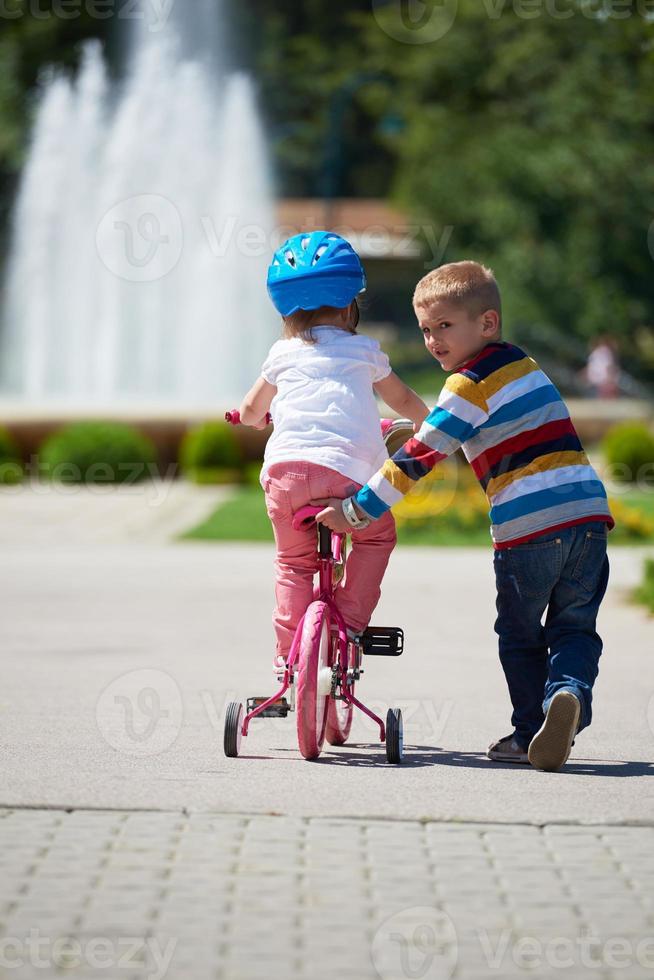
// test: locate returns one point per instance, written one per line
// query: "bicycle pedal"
(277, 709)
(382, 641)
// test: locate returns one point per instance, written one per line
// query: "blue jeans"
(565, 572)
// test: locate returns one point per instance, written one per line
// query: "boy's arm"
(256, 403)
(460, 411)
(402, 399)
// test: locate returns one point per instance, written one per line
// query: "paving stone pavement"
(148, 895)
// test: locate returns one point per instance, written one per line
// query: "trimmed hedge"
(11, 467)
(97, 452)
(629, 448)
(211, 453)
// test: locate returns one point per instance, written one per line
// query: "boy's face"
(451, 335)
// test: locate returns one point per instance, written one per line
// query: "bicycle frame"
(330, 552)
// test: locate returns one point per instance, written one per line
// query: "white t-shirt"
(325, 411)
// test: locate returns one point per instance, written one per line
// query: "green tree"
(32, 36)
(306, 58)
(527, 131)
(533, 139)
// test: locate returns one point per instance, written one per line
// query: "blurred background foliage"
(531, 137)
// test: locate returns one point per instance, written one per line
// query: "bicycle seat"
(304, 517)
(395, 432)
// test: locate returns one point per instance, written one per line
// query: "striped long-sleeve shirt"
(517, 435)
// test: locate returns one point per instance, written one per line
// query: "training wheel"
(394, 736)
(233, 729)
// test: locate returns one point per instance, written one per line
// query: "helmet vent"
(305, 243)
(319, 253)
(290, 258)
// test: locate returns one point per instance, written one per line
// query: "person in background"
(603, 369)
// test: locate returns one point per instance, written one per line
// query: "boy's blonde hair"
(469, 284)
(300, 324)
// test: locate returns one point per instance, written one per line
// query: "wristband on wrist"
(351, 516)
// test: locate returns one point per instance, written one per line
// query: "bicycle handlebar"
(234, 417)
(304, 517)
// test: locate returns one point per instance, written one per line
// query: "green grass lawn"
(645, 593)
(244, 518)
(641, 500)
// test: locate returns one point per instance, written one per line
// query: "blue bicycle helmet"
(314, 269)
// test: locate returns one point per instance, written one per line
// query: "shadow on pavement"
(589, 767)
(419, 756)
(578, 767)
(415, 757)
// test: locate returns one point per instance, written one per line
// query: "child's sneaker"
(507, 750)
(550, 746)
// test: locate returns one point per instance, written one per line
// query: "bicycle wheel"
(313, 680)
(339, 714)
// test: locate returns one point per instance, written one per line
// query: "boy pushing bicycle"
(548, 508)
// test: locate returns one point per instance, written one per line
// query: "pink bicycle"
(324, 665)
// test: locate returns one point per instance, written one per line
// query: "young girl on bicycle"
(319, 382)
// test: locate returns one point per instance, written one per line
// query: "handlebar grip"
(234, 417)
(304, 517)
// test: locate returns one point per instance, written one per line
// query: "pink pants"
(288, 487)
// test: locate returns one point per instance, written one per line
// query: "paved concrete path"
(44, 515)
(118, 663)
